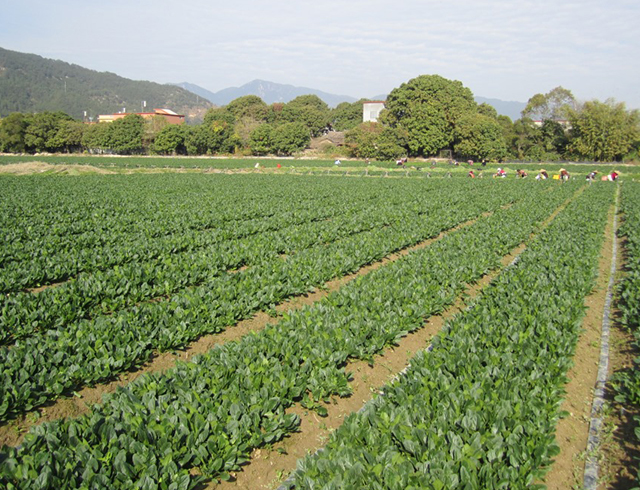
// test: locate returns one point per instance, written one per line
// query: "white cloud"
(498, 48)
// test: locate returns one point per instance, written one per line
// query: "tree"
(250, 106)
(170, 140)
(553, 105)
(69, 136)
(603, 131)
(310, 110)
(479, 137)
(125, 135)
(96, 137)
(428, 108)
(374, 140)
(218, 127)
(288, 138)
(522, 138)
(347, 116)
(260, 139)
(12, 131)
(42, 129)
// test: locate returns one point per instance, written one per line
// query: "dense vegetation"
(137, 264)
(627, 381)
(32, 84)
(424, 117)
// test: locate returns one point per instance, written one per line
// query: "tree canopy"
(428, 108)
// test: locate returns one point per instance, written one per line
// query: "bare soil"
(42, 167)
(269, 466)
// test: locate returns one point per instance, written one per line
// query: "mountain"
(506, 108)
(31, 83)
(269, 92)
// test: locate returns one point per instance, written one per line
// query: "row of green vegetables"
(166, 222)
(41, 367)
(209, 413)
(479, 409)
(105, 291)
(627, 382)
(54, 257)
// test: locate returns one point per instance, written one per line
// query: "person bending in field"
(542, 175)
(591, 176)
(500, 173)
(521, 173)
(471, 174)
(564, 175)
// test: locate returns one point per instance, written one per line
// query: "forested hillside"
(31, 83)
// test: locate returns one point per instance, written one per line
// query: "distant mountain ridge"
(31, 83)
(271, 92)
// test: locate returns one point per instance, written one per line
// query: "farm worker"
(614, 175)
(500, 173)
(279, 165)
(337, 162)
(521, 173)
(591, 176)
(564, 175)
(542, 175)
(471, 174)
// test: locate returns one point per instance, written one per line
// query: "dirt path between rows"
(13, 431)
(572, 431)
(270, 466)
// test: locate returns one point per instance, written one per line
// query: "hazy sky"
(504, 49)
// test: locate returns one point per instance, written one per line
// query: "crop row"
(478, 411)
(55, 258)
(627, 382)
(209, 413)
(203, 217)
(39, 368)
(102, 292)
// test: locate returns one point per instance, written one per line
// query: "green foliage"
(171, 140)
(248, 106)
(260, 140)
(289, 138)
(12, 133)
(210, 413)
(347, 116)
(603, 131)
(428, 109)
(308, 110)
(478, 411)
(42, 132)
(125, 135)
(554, 105)
(30, 83)
(478, 136)
(373, 140)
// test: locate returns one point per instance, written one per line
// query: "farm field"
(121, 294)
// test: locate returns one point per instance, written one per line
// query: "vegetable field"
(101, 275)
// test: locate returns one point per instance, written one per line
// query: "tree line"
(423, 117)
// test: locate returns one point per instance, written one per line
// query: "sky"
(502, 49)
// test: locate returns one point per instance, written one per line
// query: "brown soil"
(12, 432)
(42, 167)
(269, 466)
(572, 432)
(620, 449)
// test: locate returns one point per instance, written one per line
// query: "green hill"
(31, 83)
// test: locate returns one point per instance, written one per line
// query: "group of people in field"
(563, 175)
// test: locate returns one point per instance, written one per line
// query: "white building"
(371, 110)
